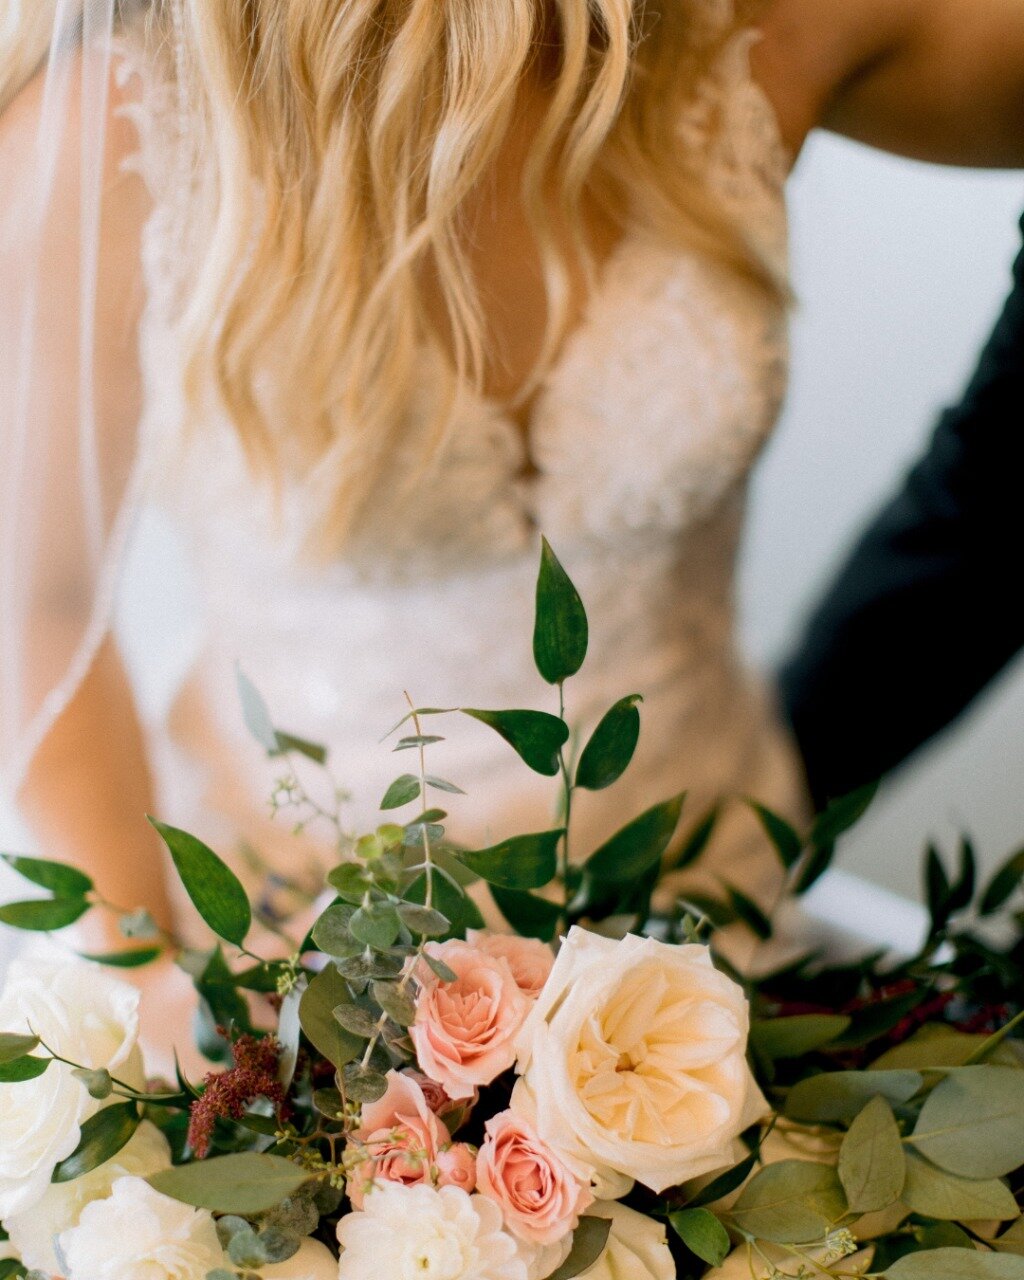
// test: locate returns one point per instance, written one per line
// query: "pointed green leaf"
(43, 915)
(842, 814)
(255, 713)
(696, 842)
(22, 1069)
(794, 1037)
(246, 1184)
(316, 1016)
(529, 916)
(523, 862)
(785, 839)
(935, 1193)
(560, 633)
(536, 736)
(842, 1095)
(791, 1202)
(288, 742)
(13, 1045)
(638, 847)
(956, 1264)
(607, 755)
(872, 1166)
(1003, 885)
(103, 1136)
(702, 1234)
(135, 959)
(402, 791)
(750, 913)
(588, 1243)
(61, 880)
(451, 900)
(972, 1123)
(215, 890)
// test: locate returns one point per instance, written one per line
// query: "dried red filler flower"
(228, 1093)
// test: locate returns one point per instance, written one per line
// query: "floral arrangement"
(595, 1093)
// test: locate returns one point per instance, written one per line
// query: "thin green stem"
(567, 794)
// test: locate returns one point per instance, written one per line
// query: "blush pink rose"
(398, 1140)
(465, 1031)
(456, 1166)
(540, 1198)
(530, 960)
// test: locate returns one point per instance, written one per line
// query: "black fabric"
(929, 607)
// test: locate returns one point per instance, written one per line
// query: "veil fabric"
(70, 291)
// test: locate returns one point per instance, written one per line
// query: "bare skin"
(936, 79)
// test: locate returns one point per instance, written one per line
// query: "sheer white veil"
(67, 429)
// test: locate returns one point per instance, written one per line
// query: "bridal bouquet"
(404, 1093)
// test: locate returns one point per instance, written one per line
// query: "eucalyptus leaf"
(316, 1015)
(796, 1036)
(522, 862)
(215, 890)
(872, 1165)
(560, 633)
(103, 1136)
(536, 736)
(638, 847)
(396, 1003)
(43, 915)
(402, 791)
(442, 784)
(424, 921)
(377, 925)
(608, 754)
(956, 1264)
(936, 1193)
(246, 1184)
(363, 1085)
(61, 880)
(350, 881)
(332, 933)
(972, 1123)
(703, 1234)
(451, 900)
(842, 1095)
(357, 1020)
(255, 713)
(791, 1202)
(588, 1243)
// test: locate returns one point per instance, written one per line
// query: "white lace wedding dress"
(642, 440)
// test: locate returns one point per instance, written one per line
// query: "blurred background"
(900, 271)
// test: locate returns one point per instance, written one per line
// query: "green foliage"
(246, 1183)
(103, 1136)
(797, 1036)
(956, 1264)
(638, 847)
(61, 880)
(703, 1234)
(560, 632)
(535, 736)
(216, 892)
(326, 991)
(936, 1193)
(14, 1046)
(973, 1122)
(792, 1202)
(842, 1095)
(530, 916)
(588, 1243)
(43, 915)
(872, 1166)
(21, 1070)
(607, 755)
(522, 862)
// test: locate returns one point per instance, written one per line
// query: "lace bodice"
(642, 439)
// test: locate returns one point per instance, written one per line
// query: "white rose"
(637, 1248)
(634, 1062)
(418, 1233)
(85, 1015)
(138, 1234)
(314, 1261)
(34, 1231)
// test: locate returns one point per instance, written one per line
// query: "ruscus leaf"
(560, 633)
(215, 890)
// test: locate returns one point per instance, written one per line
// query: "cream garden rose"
(139, 1234)
(633, 1062)
(33, 1232)
(86, 1016)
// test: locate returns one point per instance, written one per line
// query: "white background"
(900, 271)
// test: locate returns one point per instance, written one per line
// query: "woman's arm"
(939, 80)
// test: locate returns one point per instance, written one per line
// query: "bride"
(379, 291)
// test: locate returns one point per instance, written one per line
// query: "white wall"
(900, 270)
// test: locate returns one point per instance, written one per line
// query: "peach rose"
(530, 960)
(465, 1030)
(456, 1166)
(398, 1140)
(538, 1194)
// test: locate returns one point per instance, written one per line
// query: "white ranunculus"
(85, 1015)
(314, 1261)
(419, 1233)
(34, 1231)
(637, 1248)
(633, 1062)
(139, 1234)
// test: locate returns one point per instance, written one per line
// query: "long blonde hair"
(343, 141)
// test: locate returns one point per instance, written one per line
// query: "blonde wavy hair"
(343, 141)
